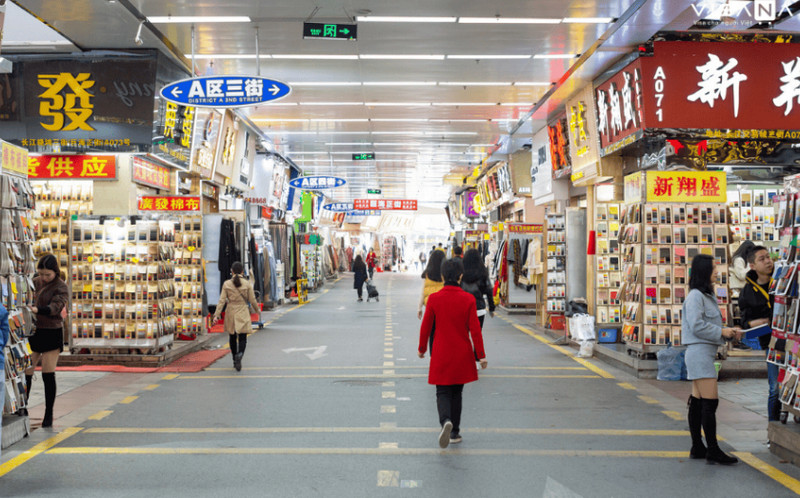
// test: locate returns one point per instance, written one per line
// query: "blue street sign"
(224, 91)
(362, 212)
(339, 207)
(317, 182)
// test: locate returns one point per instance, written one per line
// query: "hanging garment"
(517, 260)
(257, 275)
(228, 251)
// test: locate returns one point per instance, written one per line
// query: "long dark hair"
(451, 270)
(700, 279)
(433, 271)
(50, 262)
(474, 270)
(237, 269)
(358, 264)
(743, 250)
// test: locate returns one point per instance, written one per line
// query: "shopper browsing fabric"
(371, 262)
(5, 333)
(359, 276)
(236, 300)
(50, 299)
(433, 279)
(702, 331)
(451, 312)
(476, 282)
(755, 305)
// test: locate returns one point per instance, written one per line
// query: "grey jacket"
(702, 320)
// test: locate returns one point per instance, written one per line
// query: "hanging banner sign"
(362, 212)
(687, 186)
(317, 182)
(474, 235)
(72, 167)
(386, 204)
(634, 187)
(151, 174)
(15, 160)
(225, 91)
(620, 109)
(169, 203)
(469, 204)
(517, 228)
(338, 207)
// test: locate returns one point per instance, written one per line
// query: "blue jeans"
(773, 402)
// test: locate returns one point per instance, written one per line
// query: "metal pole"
(194, 69)
(258, 56)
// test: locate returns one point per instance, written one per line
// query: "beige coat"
(237, 312)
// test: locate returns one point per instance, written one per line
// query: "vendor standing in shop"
(50, 301)
(755, 306)
(236, 300)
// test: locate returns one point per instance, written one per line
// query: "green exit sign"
(374, 191)
(313, 30)
(364, 156)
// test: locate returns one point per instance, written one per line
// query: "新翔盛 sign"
(317, 182)
(224, 91)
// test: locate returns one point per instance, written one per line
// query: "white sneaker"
(444, 436)
(455, 439)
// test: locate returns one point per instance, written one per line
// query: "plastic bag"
(671, 364)
(581, 327)
(586, 350)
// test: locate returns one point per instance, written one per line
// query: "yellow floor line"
(171, 376)
(378, 376)
(129, 399)
(627, 386)
(599, 371)
(101, 415)
(365, 451)
(37, 450)
(673, 415)
(773, 473)
(152, 387)
(388, 479)
(648, 400)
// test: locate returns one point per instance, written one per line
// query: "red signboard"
(72, 167)
(386, 204)
(169, 203)
(619, 108)
(149, 173)
(719, 86)
(559, 148)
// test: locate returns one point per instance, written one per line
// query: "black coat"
(480, 288)
(360, 277)
(753, 305)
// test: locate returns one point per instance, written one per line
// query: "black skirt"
(45, 340)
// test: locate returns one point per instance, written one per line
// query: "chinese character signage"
(224, 91)
(151, 174)
(620, 109)
(582, 125)
(173, 135)
(559, 148)
(519, 228)
(686, 186)
(385, 204)
(338, 207)
(15, 160)
(473, 235)
(634, 188)
(317, 182)
(169, 203)
(721, 86)
(205, 141)
(72, 167)
(469, 204)
(226, 152)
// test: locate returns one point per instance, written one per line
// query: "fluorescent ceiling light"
(589, 20)
(475, 83)
(508, 20)
(404, 19)
(325, 83)
(555, 56)
(399, 120)
(432, 57)
(330, 103)
(399, 83)
(473, 57)
(463, 103)
(349, 143)
(532, 83)
(339, 120)
(505, 120)
(315, 56)
(516, 104)
(222, 56)
(460, 120)
(196, 19)
(398, 104)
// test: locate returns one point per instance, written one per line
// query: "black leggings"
(360, 290)
(242, 338)
(448, 401)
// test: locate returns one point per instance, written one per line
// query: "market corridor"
(333, 402)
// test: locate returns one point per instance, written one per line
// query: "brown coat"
(50, 299)
(237, 302)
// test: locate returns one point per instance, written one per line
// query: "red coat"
(455, 316)
(371, 259)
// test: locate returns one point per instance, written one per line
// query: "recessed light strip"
(197, 19)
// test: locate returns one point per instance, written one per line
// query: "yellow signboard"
(686, 186)
(15, 159)
(633, 188)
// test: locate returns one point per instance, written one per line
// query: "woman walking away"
(452, 313)
(359, 276)
(476, 282)
(703, 333)
(236, 299)
(50, 299)
(433, 279)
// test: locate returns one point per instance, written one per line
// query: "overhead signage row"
(224, 91)
(386, 204)
(317, 182)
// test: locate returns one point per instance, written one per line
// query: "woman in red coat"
(453, 313)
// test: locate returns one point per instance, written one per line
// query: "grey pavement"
(333, 401)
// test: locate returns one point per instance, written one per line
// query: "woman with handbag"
(476, 282)
(236, 299)
(50, 300)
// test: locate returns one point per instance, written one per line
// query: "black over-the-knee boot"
(49, 380)
(709, 421)
(695, 423)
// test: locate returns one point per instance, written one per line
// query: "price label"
(87, 287)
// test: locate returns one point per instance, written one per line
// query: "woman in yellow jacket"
(433, 279)
(236, 299)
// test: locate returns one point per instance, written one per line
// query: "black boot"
(49, 380)
(28, 380)
(237, 361)
(695, 423)
(709, 421)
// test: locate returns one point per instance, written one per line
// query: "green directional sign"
(374, 191)
(314, 30)
(364, 156)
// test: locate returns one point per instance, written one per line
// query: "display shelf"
(311, 264)
(122, 276)
(189, 275)
(608, 266)
(556, 288)
(56, 203)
